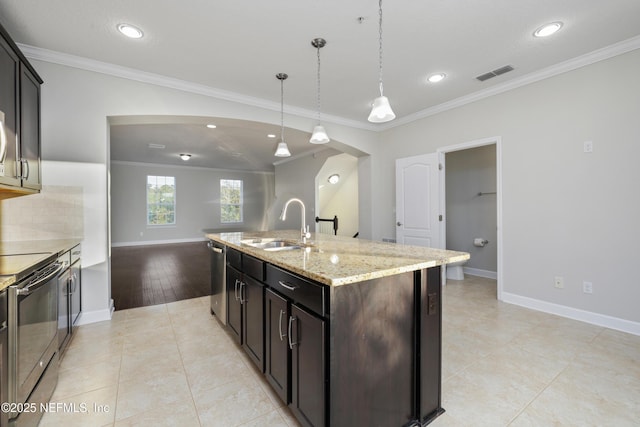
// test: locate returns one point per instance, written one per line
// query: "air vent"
(496, 72)
(156, 146)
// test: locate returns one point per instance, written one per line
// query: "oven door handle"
(38, 283)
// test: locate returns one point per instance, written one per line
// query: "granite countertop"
(33, 250)
(336, 260)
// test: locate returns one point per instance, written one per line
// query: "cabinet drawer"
(253, 267)
(309, 294)
(234, 258)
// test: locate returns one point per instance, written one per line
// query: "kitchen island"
(347, 331)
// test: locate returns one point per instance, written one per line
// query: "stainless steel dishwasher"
(218, 280)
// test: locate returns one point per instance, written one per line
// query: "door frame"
(497, 140)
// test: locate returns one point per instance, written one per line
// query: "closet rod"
(482, 194)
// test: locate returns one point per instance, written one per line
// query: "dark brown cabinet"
(253, 320)
(277, 356)
(29, 129)
(234, 307)
(69, 296)
(19, 122)
(362, 354)
(308, 373)
(245, 306)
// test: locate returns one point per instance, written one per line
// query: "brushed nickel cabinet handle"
(291, 343)
(288, 286)
(3, 139)
(280, 326)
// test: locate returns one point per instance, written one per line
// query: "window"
(230, 200)
(161, 200)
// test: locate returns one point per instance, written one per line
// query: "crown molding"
(87, 64)
(187, 167)
(553, 70)
(73, 61)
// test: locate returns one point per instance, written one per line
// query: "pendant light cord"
(282, 110)
(318, 84)
(380, 41)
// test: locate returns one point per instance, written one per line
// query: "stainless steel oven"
(33, 338)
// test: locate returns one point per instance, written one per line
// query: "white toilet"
(455, 271)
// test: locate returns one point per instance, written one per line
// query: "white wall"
(565, 212)
(76, 105)
(197, 202)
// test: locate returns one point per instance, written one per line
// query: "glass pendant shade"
(282, 150)
(319, 135)
(381, 111)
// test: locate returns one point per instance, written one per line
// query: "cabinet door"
(9, 69)
(277, 355)
(29, 129)
(63, 308)
(253, 320)
(234, 308)
(75, 292)
(308, 372)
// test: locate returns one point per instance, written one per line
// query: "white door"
(417, 205)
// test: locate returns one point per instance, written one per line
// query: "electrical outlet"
(559, 282)
(587, 287)
(588, 146)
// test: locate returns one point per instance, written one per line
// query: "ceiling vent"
(156, 146)
(496, 72)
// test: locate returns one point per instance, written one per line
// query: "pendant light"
(319, 135)
(381, 111)
(282, 150)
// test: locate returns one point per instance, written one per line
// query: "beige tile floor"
(503, 365)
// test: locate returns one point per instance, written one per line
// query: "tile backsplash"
(55, 213)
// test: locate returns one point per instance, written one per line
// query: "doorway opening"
(337, 209)
(471, 205)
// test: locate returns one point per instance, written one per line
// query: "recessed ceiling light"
(333, 179)
(547, 29)
(211, 126)
(271, 135)
(435, 78)
(130, 31)
(185, 157)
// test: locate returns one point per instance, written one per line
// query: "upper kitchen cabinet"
(19, 122)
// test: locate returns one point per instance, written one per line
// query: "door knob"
(398, 223)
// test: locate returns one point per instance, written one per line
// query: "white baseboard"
(481, 273)
(574, 313)
(157, 242)
(87, 317)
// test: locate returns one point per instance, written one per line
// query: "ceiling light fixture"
(130, 31)
(185, 157)
(319, 135)
(381, 111)
(333, 179)
(271, 135)
(211, 126)
(282, 150)
(547, 29)
(438, 77)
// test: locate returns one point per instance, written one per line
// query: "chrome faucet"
(304, 231)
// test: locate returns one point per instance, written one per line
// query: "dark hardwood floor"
(158, 274)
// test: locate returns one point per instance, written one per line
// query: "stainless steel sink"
(272, 244)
